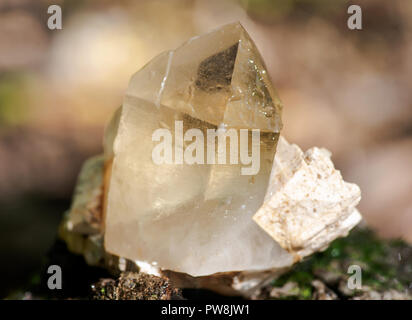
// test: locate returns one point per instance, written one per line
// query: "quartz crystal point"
(206, 224)
(193, 218)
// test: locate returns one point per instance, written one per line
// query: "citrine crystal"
(194, 217)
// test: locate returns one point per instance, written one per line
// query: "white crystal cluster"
(307, 204)
(206, 225)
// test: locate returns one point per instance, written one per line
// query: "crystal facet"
(194, 218)
(308, 204)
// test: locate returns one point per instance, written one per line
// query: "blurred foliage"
(14, 98)
(269, 10)
(377, 258)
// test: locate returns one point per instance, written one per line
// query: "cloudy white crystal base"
(293, 173)
(308, 204)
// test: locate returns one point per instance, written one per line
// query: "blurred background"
(348, 91)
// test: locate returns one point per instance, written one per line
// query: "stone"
(85, 212)
(287, 290)
(308, 204)
(206, 224)
(135, 286)
(194, 218)
(322, 292)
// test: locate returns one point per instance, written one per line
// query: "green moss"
(302, 275)
(35, 279)
(381, 268)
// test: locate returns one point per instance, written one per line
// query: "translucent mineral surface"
(307, 204)
(196, 217)
(202, 207)
(85, 211)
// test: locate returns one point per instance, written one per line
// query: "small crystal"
(308, 204)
